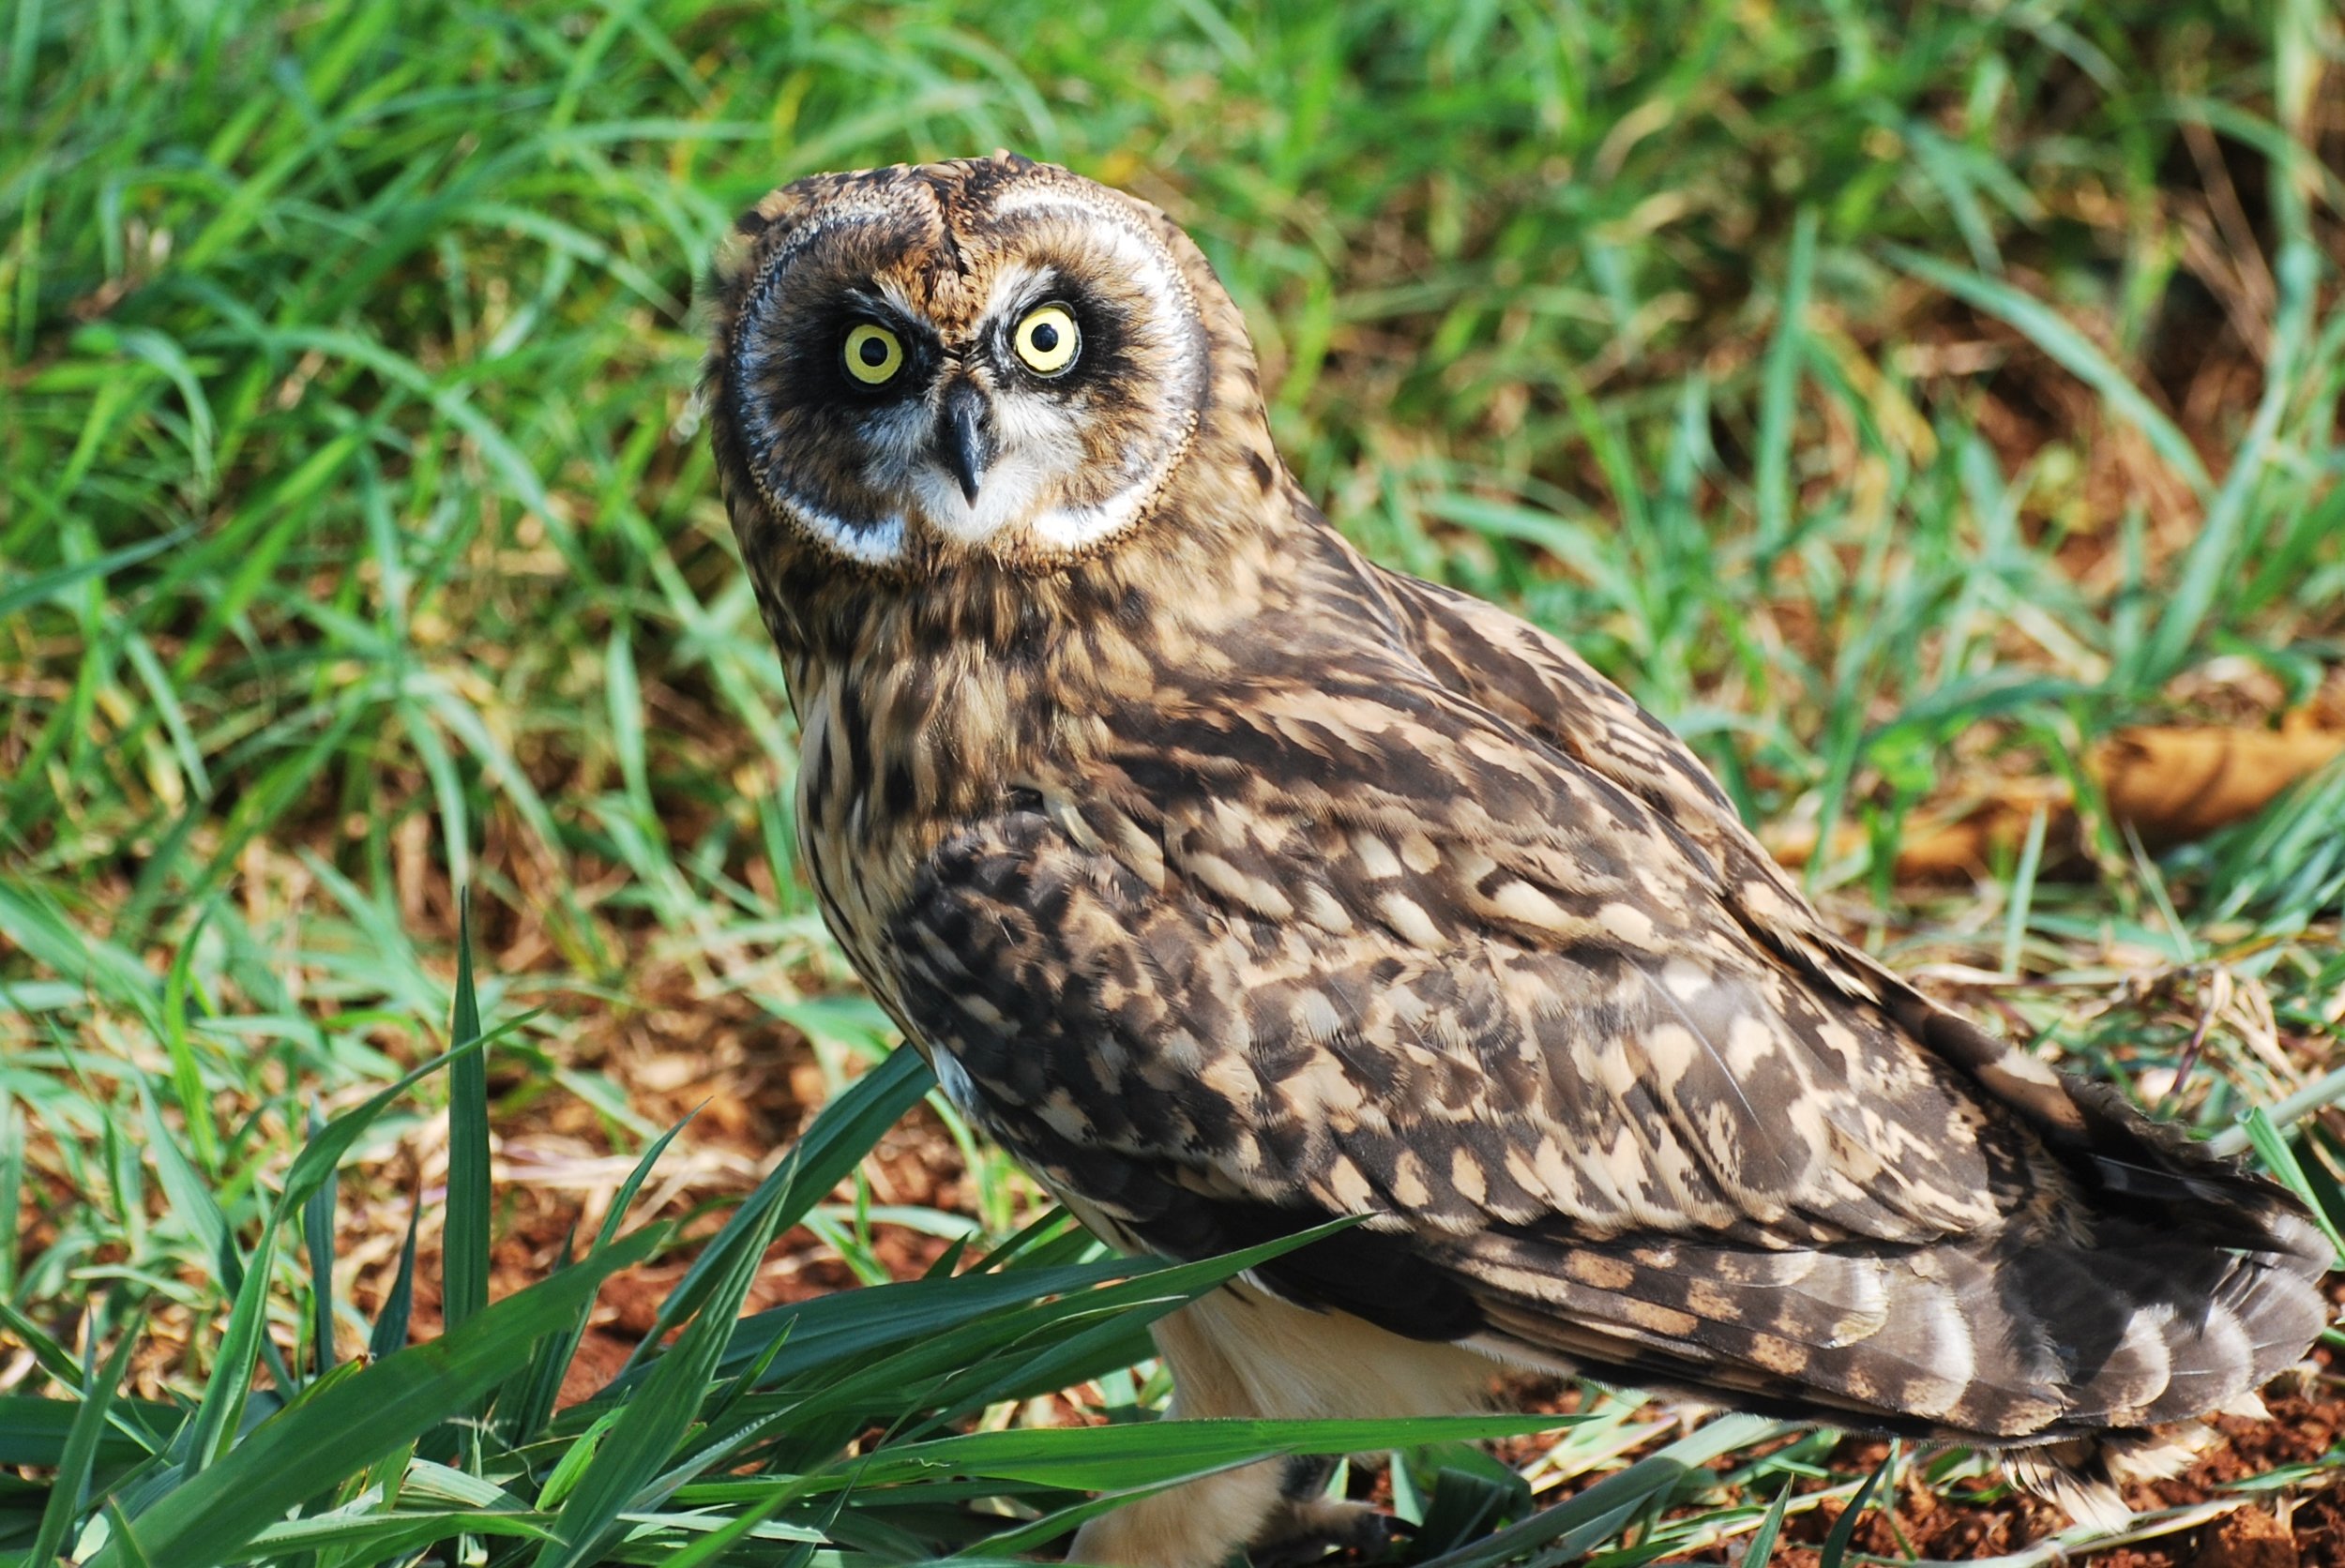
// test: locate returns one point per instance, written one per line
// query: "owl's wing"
(1538, 684)
(1341, 940)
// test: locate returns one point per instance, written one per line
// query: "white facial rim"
(1032, 452)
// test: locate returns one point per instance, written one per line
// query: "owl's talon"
(1306, 1533)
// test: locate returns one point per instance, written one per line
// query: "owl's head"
(986, 359)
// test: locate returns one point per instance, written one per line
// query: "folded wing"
(1446, 933)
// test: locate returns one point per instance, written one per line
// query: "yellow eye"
(873, 354)
(1047, 339)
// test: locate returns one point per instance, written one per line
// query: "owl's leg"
(1240, 1353)
(1198, 1525)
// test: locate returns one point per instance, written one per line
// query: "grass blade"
(642, 1440)
(2214, 560)
(842, 1133)
(389, 1334)
(464, 1234)
(239, 1349)
(123, 1544)
(1760, 1551)
(1116, 1458)
(316, 1165)
(190, 1197)
(381, 1408)
(54, 1359)
(1582, 1523)
(70, 1484)
(33, 1430)
(1843, 1535)
(2023, 894)
(2072, 349)
(49, 584)
(2263, 1135)
(1772, 469)
(542, 1387)
(386, 1537)
(317, 1235)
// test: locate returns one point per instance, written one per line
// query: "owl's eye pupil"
(874, 352)
(1045, 337)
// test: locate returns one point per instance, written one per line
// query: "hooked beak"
(964, 444)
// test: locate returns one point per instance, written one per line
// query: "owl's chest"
(854, 851)
(901, 756)
(882, 778)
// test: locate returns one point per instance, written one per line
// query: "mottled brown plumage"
(1235, 884)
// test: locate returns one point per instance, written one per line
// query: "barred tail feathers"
(2010, 1341)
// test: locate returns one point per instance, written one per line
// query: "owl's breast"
(857, 854)
(893, 762)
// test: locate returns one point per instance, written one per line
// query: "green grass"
(1898, 400)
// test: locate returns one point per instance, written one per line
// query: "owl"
(1236, 884)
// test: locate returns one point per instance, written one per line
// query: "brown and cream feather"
(1235, 884)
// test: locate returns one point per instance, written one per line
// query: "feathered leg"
(1239, 1354)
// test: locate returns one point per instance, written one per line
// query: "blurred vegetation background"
(1932, 410)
